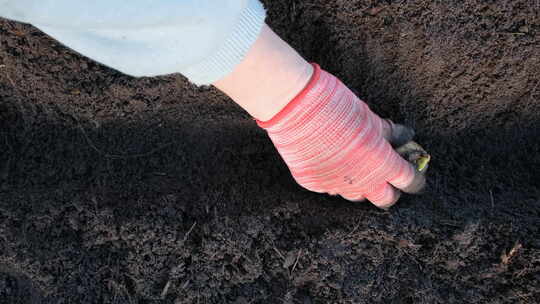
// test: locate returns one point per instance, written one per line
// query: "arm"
(331, 141)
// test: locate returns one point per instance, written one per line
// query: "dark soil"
(122, 190)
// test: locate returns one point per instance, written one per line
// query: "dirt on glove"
(151, 190)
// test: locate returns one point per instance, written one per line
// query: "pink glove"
(333, 143)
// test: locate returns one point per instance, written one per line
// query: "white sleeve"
(202, 39)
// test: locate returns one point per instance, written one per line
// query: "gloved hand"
(333, 143)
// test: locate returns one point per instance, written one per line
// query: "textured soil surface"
(122, 190)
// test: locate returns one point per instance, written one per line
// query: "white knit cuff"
(234, 49)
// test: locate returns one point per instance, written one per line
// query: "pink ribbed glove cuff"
(333, 143)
